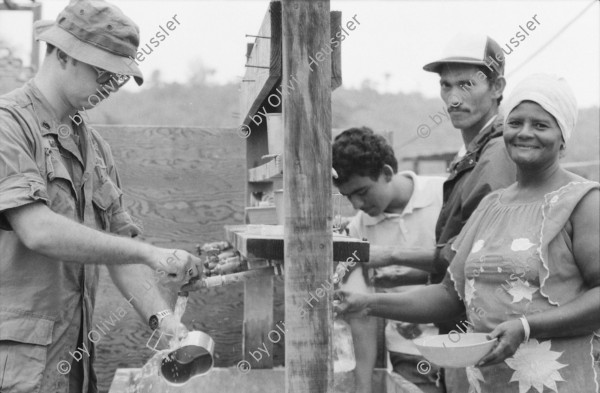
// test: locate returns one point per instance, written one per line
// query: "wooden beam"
(258, 321)
(35, 44)
(257, 85)
(307, 200)
(336, 56)
(253, 246)
(263, 68)
(19, 7)
(258, 381)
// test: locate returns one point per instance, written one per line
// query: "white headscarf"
(551, 93)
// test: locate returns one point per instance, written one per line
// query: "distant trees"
(201, 102)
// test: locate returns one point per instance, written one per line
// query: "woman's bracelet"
(526, 328)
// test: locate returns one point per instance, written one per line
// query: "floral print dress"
(516, 259)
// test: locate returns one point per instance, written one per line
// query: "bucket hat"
(95, 32)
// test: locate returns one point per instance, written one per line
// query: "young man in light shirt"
(396, 209)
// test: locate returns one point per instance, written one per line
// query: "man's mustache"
(456, 109)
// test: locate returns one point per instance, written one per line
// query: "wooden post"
(35, 45)
(258, 321)
(308, 246)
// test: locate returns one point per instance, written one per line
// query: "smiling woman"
(539, 124)
(549, 261)
(532, 135)
(539, 236)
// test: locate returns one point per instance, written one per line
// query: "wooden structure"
(254, 246)
(260, 381)
(307, 245)
(282, 76)
(292, 68)
(308, 208)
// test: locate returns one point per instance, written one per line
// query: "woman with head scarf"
(527, 263)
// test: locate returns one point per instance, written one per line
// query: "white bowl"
(455, 349)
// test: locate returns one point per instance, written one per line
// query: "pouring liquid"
(173, 367)
(178, 312)
(184, 362)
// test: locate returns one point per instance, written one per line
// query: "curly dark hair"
(359, 151)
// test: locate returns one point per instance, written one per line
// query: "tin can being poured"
(188, 358)
(194, 357)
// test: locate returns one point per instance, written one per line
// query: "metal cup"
(194, 357)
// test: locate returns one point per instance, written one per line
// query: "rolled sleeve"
(19, 190)
(122, 224)
(21, 181)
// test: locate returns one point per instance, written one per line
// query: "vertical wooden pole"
(307, 198)
(258, 321)
(35, 45)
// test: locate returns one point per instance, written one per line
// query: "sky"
(389, 47)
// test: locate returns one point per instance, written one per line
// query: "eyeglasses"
(104, 77)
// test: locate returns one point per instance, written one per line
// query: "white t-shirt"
(414, 227)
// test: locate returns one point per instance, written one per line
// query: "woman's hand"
(510, 335)
(350, 303)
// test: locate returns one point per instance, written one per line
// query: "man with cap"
(471, 85)
(59, 194)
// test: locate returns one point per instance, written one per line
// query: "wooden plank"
(263, 68)
(35, 44)
(257, 381)
(271, 247)
(261, 215)
(267, 172)
(196, 182)
(336, 56)
(19, 7)
(258, 322)
(308, 245)
(257, 86)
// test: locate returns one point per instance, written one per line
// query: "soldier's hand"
(176, 267)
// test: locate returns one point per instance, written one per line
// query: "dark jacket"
(484, 168)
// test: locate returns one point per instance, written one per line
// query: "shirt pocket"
(106, 196)
(24, 342)
(60, 186)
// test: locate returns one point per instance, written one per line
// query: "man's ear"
(498, 86)
(62, 57)
(387, 172)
